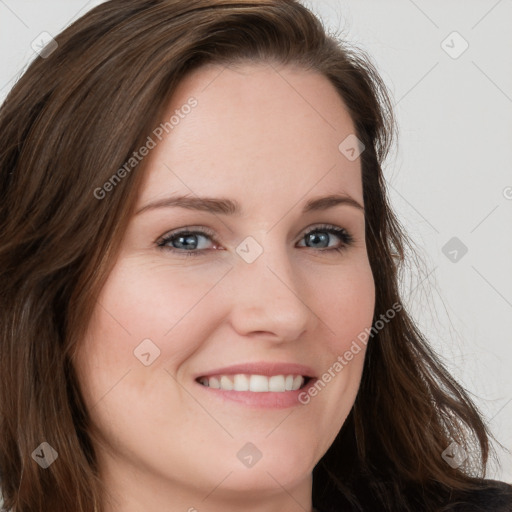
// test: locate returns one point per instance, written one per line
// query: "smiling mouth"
(255, 383)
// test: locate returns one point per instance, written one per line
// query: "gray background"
(449, 176)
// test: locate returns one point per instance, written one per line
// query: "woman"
(200, 305)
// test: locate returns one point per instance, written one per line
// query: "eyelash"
(345, 237)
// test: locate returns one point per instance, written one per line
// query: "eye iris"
(316, 238)
(186, 240)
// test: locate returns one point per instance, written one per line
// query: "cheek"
(346, 307)
(345, 310)
(140, 303)
(154, 298)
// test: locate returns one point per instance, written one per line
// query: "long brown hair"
(68, 125)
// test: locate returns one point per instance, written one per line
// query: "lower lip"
(264, 399)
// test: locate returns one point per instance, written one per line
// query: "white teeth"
(277, 383)
(214, 383)
(254, 383)
(259, 383)
(226, 383)
(241, 382)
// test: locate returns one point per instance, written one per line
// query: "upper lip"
(262, 368)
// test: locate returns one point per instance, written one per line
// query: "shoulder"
(493, 496)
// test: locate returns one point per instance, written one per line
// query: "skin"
(267, 137)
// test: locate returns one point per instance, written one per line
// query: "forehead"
(253, 131)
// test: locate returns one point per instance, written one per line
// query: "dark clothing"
(496, 498)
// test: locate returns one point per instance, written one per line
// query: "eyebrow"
(226, 206)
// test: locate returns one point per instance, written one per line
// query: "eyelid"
(211, 233)
(319, 227)
(188, 229)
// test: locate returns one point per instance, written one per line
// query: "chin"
(286, 462)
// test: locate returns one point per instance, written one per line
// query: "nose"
(269, 298)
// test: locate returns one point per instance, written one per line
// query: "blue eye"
(322, 234)
(186, 242)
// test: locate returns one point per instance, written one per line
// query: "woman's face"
(272, 284)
